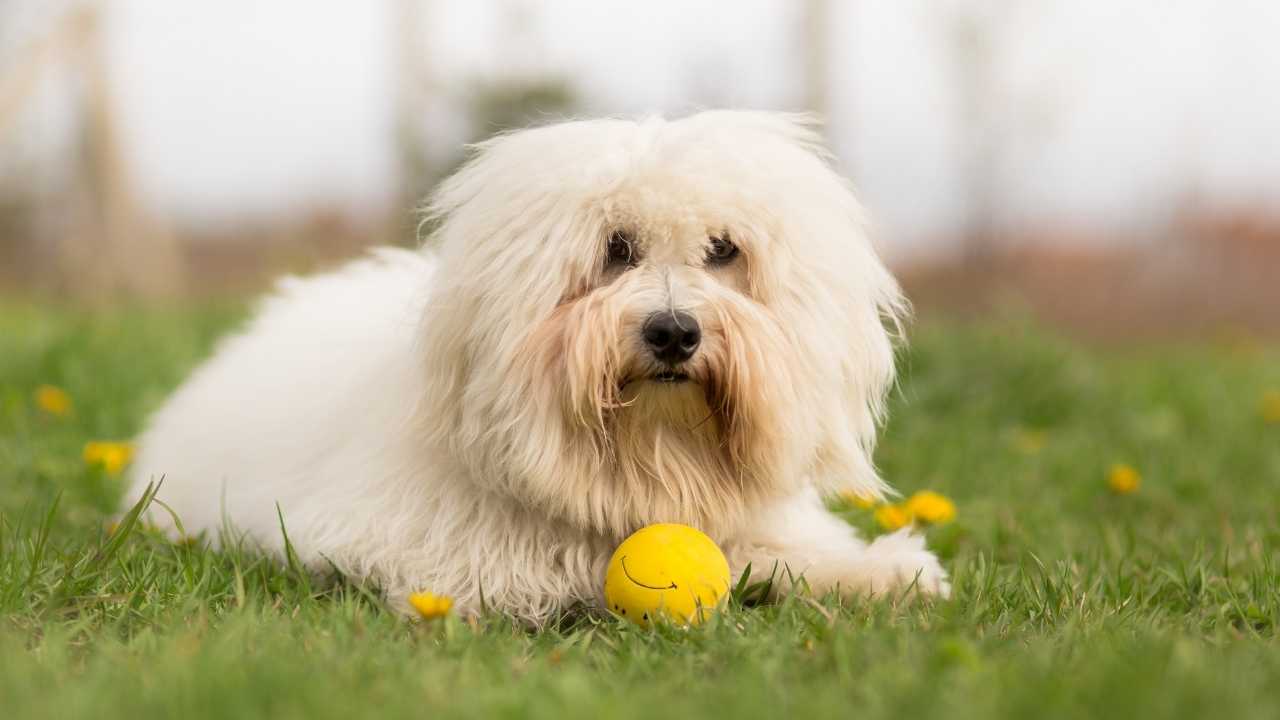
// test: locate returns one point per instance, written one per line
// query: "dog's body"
(618, 324)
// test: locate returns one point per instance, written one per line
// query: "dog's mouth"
(670, 376)
(666, 377)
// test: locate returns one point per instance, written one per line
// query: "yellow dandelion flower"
(112, 457)
(53, 400)
(1271, 407)
(930, 508)
(431, 606)
(892, 517)
(862, 502)
(1029, 441)
(1123, 479)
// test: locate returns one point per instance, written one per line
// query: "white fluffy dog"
(615, 324)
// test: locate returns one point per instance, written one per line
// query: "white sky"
(1107, 111)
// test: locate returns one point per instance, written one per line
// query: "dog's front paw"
(898, 561)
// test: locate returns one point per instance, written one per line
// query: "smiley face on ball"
(667, 570)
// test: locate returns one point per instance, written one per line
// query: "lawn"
(1069, 600)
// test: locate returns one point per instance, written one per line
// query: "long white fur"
(473, 419)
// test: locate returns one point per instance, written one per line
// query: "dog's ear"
(514, 232)
(874, 318)
(864, 348)
(849, 307)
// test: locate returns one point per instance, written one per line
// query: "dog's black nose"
(673, 336)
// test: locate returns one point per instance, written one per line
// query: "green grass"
(1069, 601)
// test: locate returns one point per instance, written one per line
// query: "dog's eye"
(620, 248)
(722, 250)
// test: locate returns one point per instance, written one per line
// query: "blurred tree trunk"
(413, 83)
(972, 34)
(111, 244)
(125, 250)
(816, 32)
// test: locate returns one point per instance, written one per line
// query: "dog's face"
(664, 321)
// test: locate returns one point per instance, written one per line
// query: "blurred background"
(1112, 166)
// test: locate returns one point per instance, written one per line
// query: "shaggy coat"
(485, 417)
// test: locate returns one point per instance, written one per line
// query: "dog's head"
(657, 321)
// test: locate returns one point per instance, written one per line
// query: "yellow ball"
(667, 569)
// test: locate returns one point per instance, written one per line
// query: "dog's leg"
(501, 560)
(800, 543)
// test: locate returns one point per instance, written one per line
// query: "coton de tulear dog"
(614, 324)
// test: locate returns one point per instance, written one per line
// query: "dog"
(613, 323)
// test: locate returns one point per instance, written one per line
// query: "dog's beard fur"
(696, 452)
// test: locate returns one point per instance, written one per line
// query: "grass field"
(1070, 601)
